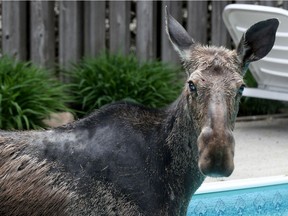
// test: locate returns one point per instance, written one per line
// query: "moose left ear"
(258, 40)
(178, 36)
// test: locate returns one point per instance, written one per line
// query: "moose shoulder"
(126, 159)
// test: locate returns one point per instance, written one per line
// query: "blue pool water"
(265, 199)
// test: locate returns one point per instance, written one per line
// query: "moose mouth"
(216, 153)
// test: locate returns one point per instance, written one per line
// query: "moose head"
(214, 87)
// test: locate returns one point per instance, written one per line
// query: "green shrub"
(27, 95)
(111, 78)
(257, 106)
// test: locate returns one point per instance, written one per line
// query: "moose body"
(147, 166)
(126, 159)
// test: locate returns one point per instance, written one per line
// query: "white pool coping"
(239, 184)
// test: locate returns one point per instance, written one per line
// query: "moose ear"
(178, 36)
(258, 40)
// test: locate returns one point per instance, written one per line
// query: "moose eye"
(192, 86)
(241, 89)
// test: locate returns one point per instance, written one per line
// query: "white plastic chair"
(271, 72)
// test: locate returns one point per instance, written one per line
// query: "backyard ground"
(261, 148)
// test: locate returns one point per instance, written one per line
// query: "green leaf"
(29, 93)
(109, 78)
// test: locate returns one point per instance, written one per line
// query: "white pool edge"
(239, 184)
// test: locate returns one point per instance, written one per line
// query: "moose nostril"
(216, 170)
(218, 158)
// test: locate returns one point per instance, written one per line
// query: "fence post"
(219, 33)
(167, 52)
(146, 30)
(42, 33)
(94, 27)
(70, 33)
(119, 26)
(197, 20)
(14, 29)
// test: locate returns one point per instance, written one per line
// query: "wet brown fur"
(26, 188)
(103, 199)
(29, 187)
(214, 69)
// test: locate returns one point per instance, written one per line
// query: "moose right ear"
(178, 36)
(257, 41)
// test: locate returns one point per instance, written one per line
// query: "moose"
(126, 159)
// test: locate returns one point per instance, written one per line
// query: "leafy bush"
(111, 78)
(257, 106)
(27, 95)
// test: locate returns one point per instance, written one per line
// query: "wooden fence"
(53, 33)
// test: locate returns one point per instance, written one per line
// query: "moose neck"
(184, 176)
(183, 131)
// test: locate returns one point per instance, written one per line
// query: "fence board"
(219, 34)
(285, 5)
(197, 20)
(94, 27)
(14, 31)
(167, 52)
(146, 30)
(268, 3)
(244, 2)
(42, 33)
(203, 23)
(70, 32)
(119, 26)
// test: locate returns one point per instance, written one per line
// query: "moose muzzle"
(216, 153)
(216, 143)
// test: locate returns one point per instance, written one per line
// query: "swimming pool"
(245, 197)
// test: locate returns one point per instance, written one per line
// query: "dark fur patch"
(103, 199)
